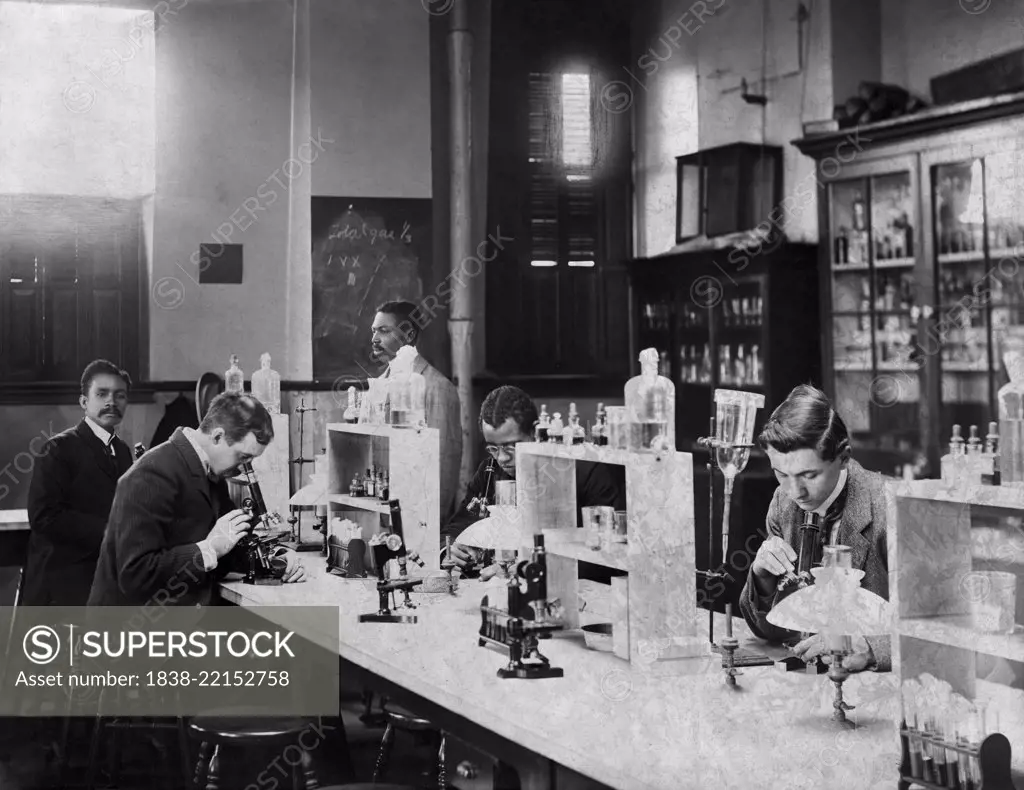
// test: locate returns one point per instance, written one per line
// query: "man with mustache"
(72, 489)
(173, 527)
(809, 449)
(395, 326)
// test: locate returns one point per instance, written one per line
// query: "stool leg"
(183, 755)
(384, 755)
(309, 778)
(213, 774)
(442, 778)
(94, 750)
(202, 766)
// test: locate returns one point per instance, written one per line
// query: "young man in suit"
(507, 417)
(395, 326)
(809, 449)
(71, 492)
(173, 526)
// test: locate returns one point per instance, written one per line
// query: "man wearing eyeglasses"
(507, 417)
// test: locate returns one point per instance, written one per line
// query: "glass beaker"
(618, 427)
(735, 412)
(597, 520)
(505, 492)
(837, 557)
(620, 532)
(993, 599)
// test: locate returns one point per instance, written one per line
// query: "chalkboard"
(365, 251)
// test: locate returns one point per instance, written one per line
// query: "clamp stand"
(721, 573)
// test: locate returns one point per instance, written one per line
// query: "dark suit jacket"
(862, 528)
(163, 507)
(69, 499)
(596, 484)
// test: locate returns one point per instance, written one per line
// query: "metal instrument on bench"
(529, 618)
(387, 546)
(264, 563)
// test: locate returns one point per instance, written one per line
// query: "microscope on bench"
(811, 551)
(387, 546)
(530, 617)
(264, 561)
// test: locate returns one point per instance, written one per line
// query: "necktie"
(832, 515)
(112, 455)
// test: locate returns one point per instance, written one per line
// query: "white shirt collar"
(102, 433)
(193, 438)
(840, 484)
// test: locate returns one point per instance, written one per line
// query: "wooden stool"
(236, 729)
(407, 722)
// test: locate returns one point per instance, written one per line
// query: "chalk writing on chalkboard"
(365, 251)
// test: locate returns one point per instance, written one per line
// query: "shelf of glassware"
(933, 546)
(411, 457)
(656, 605)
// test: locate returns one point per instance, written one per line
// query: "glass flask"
(234, 379)
(1011, 414)
(352, 410)
(407, 391)
(266, 385)
(735, 412)
(651, 407)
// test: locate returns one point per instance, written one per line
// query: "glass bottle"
(952, 464)
(370, 489)
(650, 407)
(578, 434)
(353, 489)
(599, 433)
(352, 411)
(568, 432)
(407, 390)
(543, 423)
(1011, 416)
(555, 428)
(234, 379)
(974, 457)
(991, 475)
(266, 385)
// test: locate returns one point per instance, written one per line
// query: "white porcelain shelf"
(616, 556)
(361, 503)
(956, 631)
(1006, 495)
(366, 429)
(590, 452)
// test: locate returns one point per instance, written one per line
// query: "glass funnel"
(735, 412)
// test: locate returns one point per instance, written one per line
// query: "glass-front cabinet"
(922, 238)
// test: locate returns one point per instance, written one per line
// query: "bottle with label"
(266, 385)
(370, 490)
(234, 379)
(352, 410)
(599, 433)
(385, 487)
(705, 365)
(353, 489)
(725, 366)
(755, 365)
(975, 460)
(543, 423)
(578, 434)
(650, 407)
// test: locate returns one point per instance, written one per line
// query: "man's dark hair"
(239, 415)
(100, 367)
(805, 420)
(505, 402)
(403, 311)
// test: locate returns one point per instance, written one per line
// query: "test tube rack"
(654, 610)
(987, 765)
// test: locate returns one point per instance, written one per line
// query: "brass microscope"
(387, 546)
(264, 561)
(811, 550)
(530, 617)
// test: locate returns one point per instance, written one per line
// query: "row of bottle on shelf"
(266, 383)
(375, 484)
(851, 246)
(970, 239)
(741, 311)
(972, 462)
(740, 369)
(891, 293)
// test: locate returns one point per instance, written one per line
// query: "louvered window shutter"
(563, 199)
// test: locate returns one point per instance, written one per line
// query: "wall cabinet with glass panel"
(921, 243)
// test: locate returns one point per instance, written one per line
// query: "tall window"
(563, 160)
(69, 287)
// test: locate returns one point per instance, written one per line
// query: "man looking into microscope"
(809, 449)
